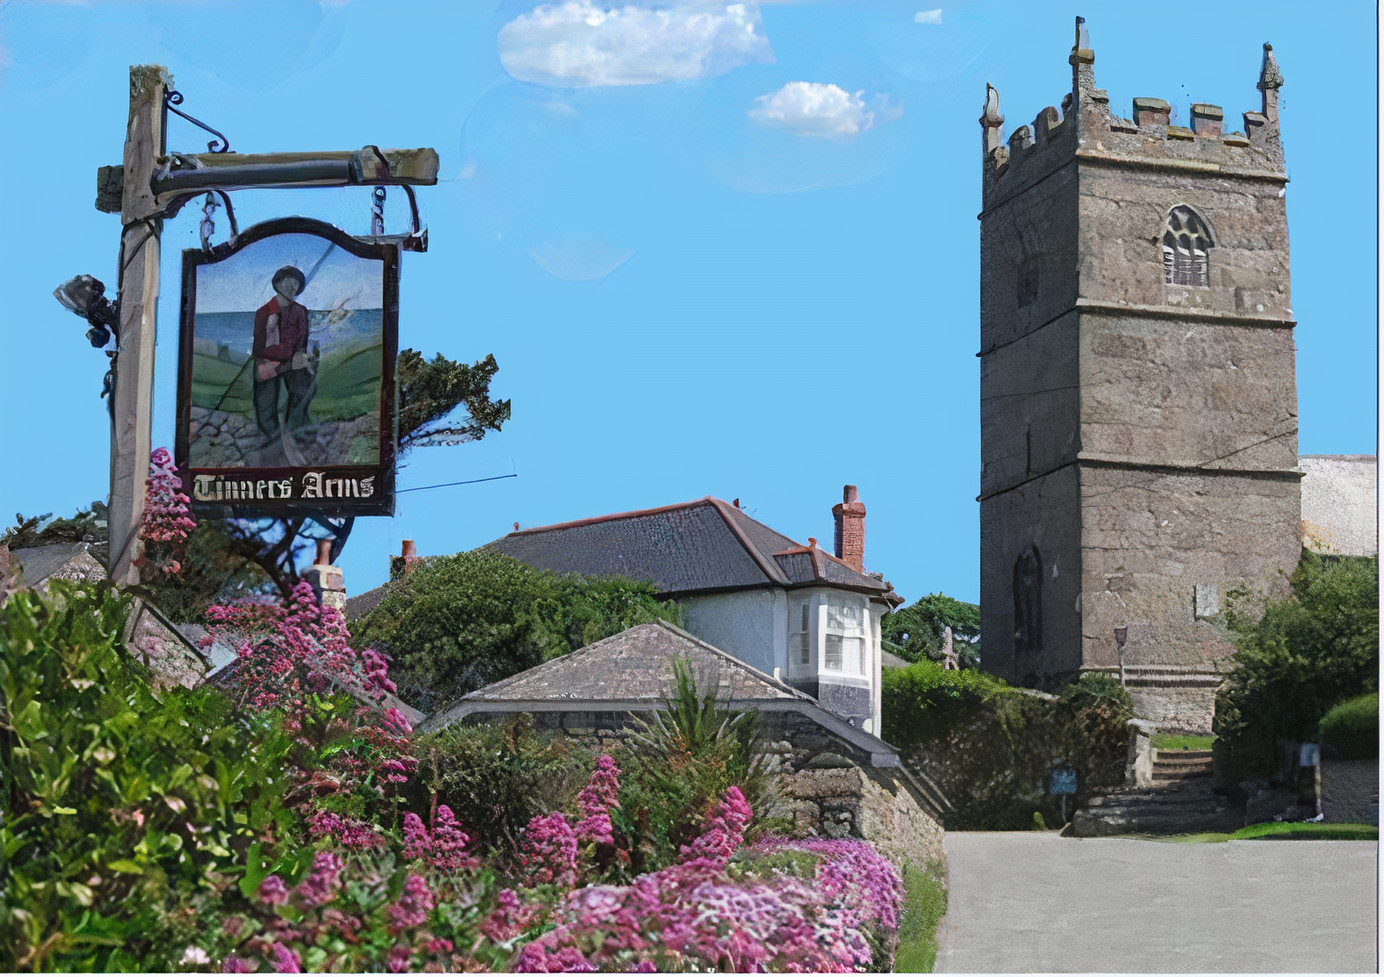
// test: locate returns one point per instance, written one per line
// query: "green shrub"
(1351, 729)
(1303, 654)
(495, 778)
(679, 763)
(457, 623)
(990, 748)
(123, 808)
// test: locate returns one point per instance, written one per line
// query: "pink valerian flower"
(444, 847)
(413, 905)
(235, 965)
(685, 919)
(285, 961)
(722, 832)
(347, 831)
(548, 854)
(851, 873)
(417, 844)
(167, 517)
(398, 960)
(508, 919)
(537, 958)
(449, 842)
(321, 884)
(272, 891)
(600, 794)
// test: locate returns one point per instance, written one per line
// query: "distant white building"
(1340, 504)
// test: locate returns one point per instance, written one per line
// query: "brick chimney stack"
(850, 528)
(327, 581)
(402, 564)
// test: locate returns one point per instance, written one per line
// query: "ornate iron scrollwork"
(172, 99)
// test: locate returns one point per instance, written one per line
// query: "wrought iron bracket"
(171, 100)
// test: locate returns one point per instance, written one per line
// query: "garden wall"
(854, 802)
(1350, 791)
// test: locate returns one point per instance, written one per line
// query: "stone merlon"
(1085, 128)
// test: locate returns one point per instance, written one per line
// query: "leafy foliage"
(499, 777)
(431, 390)
(460, 622)
(1297, 658)
(677, 764)
(120, 806)
(197, 831)
(990, 748)
(1351, 729)
(914, 633)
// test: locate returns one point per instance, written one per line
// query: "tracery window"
(1186, 242)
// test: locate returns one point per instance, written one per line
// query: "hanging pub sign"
(286, 372)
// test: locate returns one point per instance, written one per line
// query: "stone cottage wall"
(826, 786)
(870, 803)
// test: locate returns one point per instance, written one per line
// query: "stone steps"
(1180, 801)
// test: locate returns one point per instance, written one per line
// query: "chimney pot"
(409, 549)
(812, 542)
(324, 552)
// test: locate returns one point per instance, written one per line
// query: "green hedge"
(991, 748)
(1351, 730)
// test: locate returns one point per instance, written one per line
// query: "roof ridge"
(769, 566)
(592, 520)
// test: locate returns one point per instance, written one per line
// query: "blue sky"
(717, 249)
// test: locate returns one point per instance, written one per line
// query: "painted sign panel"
(1062, 780)
(286, 397)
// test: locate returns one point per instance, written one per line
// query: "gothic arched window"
(1186, 241)
(1028, 603)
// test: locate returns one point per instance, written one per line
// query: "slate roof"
(633, 671)
(68, 561)
(637, 664)
(706, 545)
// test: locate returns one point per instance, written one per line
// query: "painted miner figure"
(281, 356)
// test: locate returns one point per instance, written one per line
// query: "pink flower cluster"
(548, 854)
(692, 916)
(167, 517)
(443, 847)
(413, 905)
(347, 831)
(600, 794)
(851, 873)
(722, 834)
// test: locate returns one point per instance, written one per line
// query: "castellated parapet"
(1138, 391)
(1085, 127)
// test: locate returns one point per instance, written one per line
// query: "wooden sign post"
(152, 185)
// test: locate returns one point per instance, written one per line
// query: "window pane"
(804, 649)
(844, 618)
(832, 659)
(850, 655)
(803, 609)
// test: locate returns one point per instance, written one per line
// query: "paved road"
(1032, 901)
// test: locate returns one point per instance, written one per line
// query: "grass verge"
(925, 900)
(1181, 741)
(1286, 830)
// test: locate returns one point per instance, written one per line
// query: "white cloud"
(583, 43)
(815, 109)
(928, 17)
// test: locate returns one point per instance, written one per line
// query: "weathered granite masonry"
(1138, 393)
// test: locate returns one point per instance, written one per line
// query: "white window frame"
(801, 612)
(844, 626)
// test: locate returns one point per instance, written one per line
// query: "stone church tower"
(1138, 399)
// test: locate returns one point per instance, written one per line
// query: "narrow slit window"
(1186, 247)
